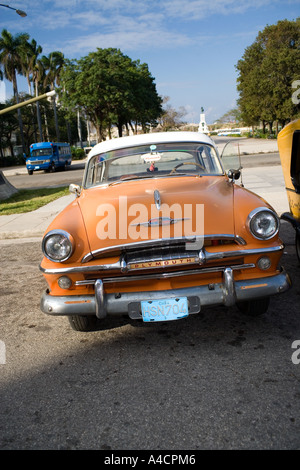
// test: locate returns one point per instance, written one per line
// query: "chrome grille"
(182, 244)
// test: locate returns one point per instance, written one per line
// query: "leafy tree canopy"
(110, 89)
(267, 71)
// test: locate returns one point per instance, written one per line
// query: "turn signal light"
(64, 282)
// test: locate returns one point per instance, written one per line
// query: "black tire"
(297, 243)
(30, 172)
(83, 322)
(254, 307)
(52, 168)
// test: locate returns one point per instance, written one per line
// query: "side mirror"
(233, 174)
(75, 189)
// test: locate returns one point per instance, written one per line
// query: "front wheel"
(83, 322)
(254, 307)
(30, 172)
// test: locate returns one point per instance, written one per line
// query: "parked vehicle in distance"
(230, 132)
(48, 156)
(289, 150)
(159, 230)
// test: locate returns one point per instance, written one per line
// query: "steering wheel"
(186, 163)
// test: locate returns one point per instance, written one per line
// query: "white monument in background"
(202, 124)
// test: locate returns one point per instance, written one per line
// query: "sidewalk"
(248, 146)
(32, 224)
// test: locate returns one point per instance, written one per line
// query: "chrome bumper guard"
(226, 293)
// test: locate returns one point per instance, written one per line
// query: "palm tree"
(53, 65)
(11, 58)
(31, 53)
(32, 69)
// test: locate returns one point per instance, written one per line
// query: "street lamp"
(20, 12)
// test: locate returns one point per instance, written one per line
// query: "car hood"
(128, 212)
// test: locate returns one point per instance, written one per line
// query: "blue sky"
(190, 46)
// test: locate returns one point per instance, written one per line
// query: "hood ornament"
(157, 199)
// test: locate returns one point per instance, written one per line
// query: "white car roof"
(151, 138)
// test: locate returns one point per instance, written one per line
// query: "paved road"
(217, 380)
(40, 179)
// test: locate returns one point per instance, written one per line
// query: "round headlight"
(58, 245)
(263, 223)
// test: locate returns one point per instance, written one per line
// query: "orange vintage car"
(159, 230)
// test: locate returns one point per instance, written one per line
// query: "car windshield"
(148, 161)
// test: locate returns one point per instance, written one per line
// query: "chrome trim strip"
(161, 242)
(145, 277)
(252, 251)
(85, 269)
(204, 257)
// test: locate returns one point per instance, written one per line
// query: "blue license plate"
(164, 309)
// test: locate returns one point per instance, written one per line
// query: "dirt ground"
(217, 380)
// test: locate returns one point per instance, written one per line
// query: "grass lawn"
(27, 200)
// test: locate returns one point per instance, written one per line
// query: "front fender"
(70, 220)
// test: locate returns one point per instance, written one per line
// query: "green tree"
(110, 89)
(233, 115)
(266, 73)
(8, 125)
(11, 57)
(146, 106)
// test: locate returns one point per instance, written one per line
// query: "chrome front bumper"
(226, 293)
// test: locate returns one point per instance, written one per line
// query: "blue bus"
(48, 156)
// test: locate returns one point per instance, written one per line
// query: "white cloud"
(197, 9)
(126, 40)
(126, 24)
